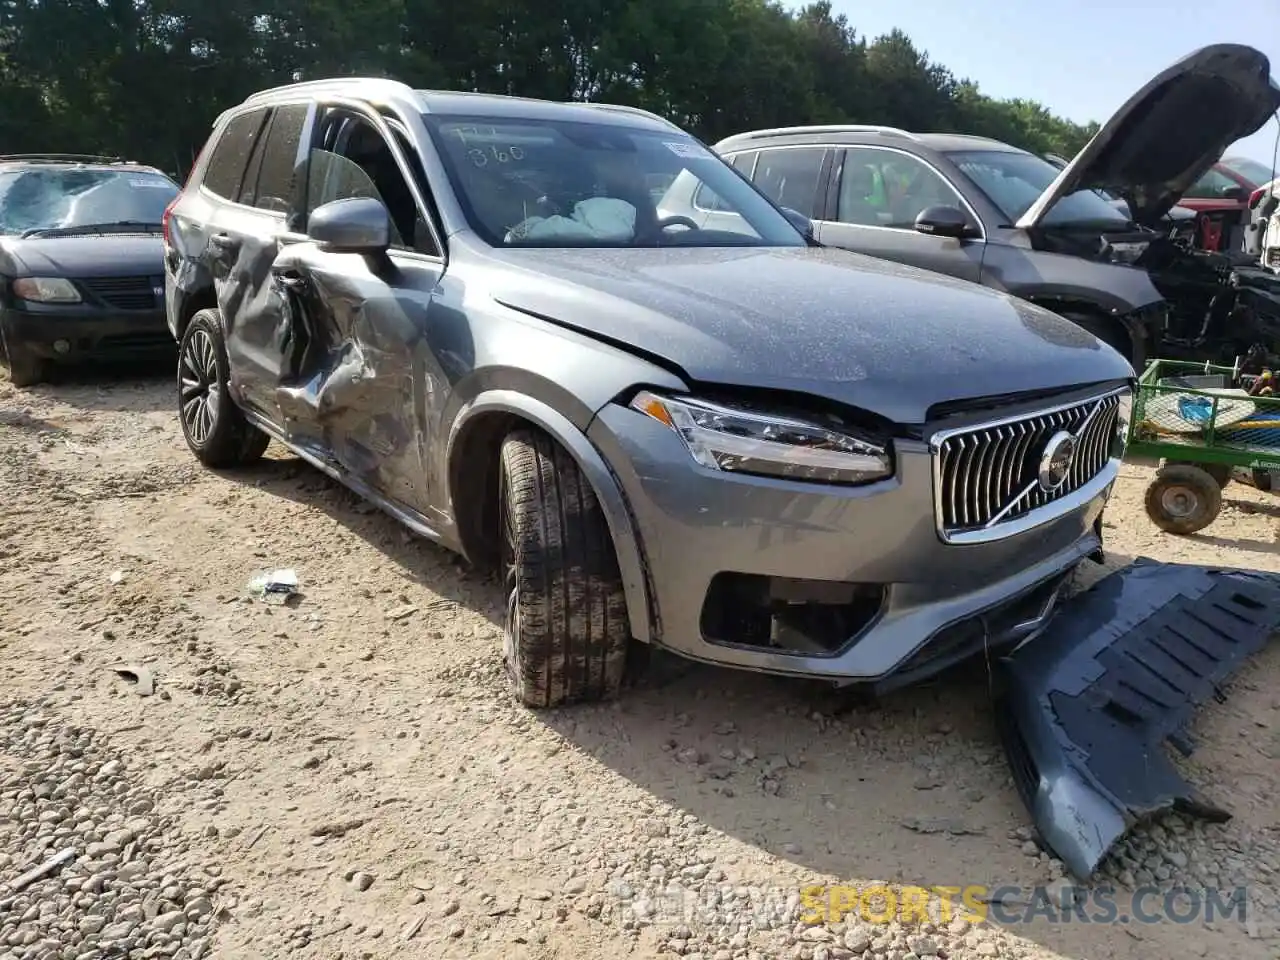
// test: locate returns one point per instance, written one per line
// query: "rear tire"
(25, 369)
(1183, 499)
(215, 428)
(567, 635)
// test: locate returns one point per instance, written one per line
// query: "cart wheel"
(1183, 499)
(1220, 472)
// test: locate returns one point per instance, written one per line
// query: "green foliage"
(146, 78)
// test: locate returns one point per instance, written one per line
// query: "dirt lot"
(348, 777)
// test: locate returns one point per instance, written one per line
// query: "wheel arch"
(472, 474)
(1107, 319)
(192, 303)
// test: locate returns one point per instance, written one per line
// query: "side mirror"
(1236, 192)
(799, 221)
(354, 225)
(942, 221)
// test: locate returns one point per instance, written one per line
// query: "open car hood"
(1168, 134)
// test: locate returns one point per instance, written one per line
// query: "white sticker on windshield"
(690, 151)
(148, 182)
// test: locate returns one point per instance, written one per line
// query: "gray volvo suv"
(734, 445)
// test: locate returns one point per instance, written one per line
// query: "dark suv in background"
(988, 212)
(80, 261)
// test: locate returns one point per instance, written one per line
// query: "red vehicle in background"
(1221, 201)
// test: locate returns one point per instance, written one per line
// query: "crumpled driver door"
(355, 396)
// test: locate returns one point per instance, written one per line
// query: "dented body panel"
(1086, 709)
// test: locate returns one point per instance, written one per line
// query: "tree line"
(144, 79)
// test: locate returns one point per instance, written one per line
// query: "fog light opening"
(782, 615)
(62, 346)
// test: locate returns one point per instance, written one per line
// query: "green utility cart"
(1201, 423)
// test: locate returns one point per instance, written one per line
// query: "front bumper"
(76, 332)
(918, 604)
(1085, 711)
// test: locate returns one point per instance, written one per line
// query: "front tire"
(25, 369)
(215, 428)
(1183, 499)
(567, 634)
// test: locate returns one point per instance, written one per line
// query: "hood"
(114, 254)
(864, 332)
(1168, 134)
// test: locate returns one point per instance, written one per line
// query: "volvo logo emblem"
(1055, 463)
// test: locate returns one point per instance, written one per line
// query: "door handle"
(224, 243)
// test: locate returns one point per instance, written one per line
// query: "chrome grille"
(126, 293)
(987, 475)
(1273, 258)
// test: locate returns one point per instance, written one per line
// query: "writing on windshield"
(552, 183)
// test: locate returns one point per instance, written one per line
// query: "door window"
(231, 154)
(790, 176)
(277, 184)
(357, 162)
(707, 200)
(885, 188)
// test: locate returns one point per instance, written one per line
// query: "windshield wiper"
(119, 226)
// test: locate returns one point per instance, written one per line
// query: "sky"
(1081, 59)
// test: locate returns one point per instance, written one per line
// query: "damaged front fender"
(1084, 709)
(617, 513)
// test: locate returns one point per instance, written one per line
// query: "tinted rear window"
(231, 155)
(277, 179)
(58, 198)
(790, 176)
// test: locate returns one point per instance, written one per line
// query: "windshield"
(1251, 170)
(62, 198)
(1014, 181)
(551, 183)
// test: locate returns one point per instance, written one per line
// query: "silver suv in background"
(730, 444)
(987, 212)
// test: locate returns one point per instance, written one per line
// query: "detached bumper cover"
(1086, 706)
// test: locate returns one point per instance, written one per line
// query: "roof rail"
(622, 108)
(330, 83)
(61, 158)
(834, 128)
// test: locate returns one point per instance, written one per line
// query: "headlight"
(46, 290)
(743, 441)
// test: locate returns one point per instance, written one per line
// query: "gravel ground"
(347, 776)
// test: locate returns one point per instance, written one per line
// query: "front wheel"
(1183, 499)
(567, 635)
(215, 428)
(25, 369)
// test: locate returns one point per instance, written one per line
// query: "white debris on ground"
(346, 775)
